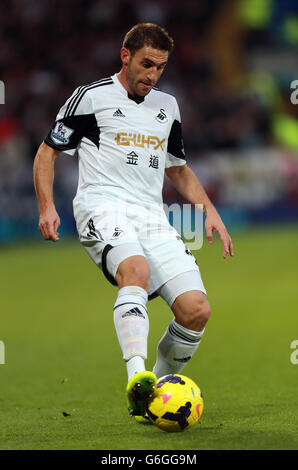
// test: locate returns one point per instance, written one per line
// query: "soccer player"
(127, 135)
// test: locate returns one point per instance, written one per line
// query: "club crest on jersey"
(117, 233)
(161, 117)
(61, 133)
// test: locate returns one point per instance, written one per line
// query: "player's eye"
(148, 65)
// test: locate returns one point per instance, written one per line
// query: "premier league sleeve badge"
(61, 133)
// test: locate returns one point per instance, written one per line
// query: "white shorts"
(111, 232)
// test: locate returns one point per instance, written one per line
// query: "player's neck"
(122, 79)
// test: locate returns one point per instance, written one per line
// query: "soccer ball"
(177, 403)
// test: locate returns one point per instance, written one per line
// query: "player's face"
(144, 69)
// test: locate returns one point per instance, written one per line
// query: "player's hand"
(49, 222)
(213, 223)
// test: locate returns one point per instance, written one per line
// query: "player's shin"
(132, 327)
(175, 349)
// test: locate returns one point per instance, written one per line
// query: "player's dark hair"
(148, 34)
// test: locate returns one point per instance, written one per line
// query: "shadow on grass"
(217, 437)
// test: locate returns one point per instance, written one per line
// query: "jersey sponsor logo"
(61, 133)
(118, 113)
(139, 140)
(154, 162)
(161, 117)
(132, 158)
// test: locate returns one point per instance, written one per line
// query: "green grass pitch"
(63, 384)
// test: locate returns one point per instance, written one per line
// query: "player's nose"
(152, 77)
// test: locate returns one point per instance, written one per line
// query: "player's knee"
(134, 271)
(198, 315)
(141, 273)
(203, 310)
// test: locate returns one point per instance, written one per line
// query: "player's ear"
(125, 55)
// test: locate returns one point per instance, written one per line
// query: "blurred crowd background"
(232, 72)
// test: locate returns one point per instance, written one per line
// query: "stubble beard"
(133, 85)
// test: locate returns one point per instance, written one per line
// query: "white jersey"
(124, 143)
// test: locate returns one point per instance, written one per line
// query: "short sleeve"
(175, 151)
(74, 121)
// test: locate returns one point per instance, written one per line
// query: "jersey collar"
(136, 99)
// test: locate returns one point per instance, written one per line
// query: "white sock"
(134, 365)
(132, 327)
(175, 349)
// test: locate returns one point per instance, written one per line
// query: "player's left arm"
(188, 185)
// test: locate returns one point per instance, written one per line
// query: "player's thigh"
(121, 264)
(168, 258)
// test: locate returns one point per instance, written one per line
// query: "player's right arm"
(74, 120)
(43, 173)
